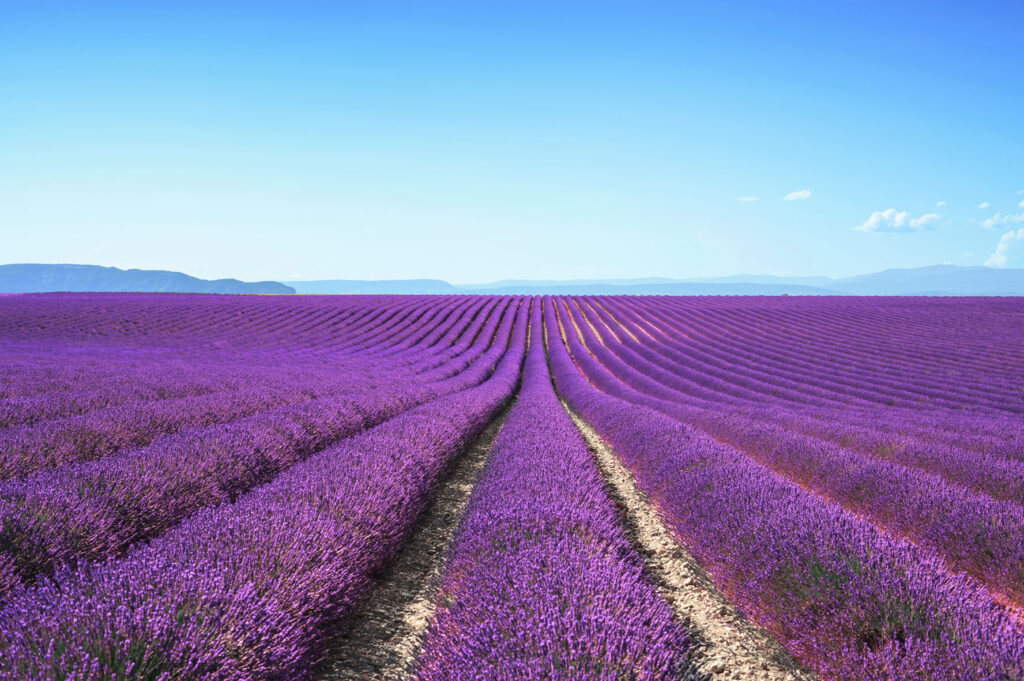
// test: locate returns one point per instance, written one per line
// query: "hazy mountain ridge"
(376, 286)
(678, 288)
(43, 278)
(936, 280)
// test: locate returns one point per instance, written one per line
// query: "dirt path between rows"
(381, 641)
(729, 646)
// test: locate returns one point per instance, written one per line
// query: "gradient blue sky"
(473, 141)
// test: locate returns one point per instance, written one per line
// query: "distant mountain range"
(675, 288)
(937, 280)
(376, 286)
(33, 278)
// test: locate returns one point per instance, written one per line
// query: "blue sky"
(473, 141)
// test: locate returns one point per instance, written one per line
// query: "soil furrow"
(382, 640)
(729, 646)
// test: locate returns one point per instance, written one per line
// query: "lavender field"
(467, 487)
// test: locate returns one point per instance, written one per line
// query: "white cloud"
(1021, 204)
(924, 220)
(748, 199)
(798, 195)
(999, 220)
(940, 204)
(984, 204)
(1009, 248)
(892, 220)
(966, 255)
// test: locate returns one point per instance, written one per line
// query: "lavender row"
(921, 332)
(100, 508)
(714, 340)
(251, 590)
(910, 384)
(973, 532)
(103, 432)
(945, 443)
(847, 600)
(991, 475)
(458, 340)
(717, 376)
(67, 365)
(268, 326)
(999, 436)
(405, 330)
(549, 588)
(433, 329)
(988, 469)
(121, 385)
(412, 329)
(908, 388)
(443, 337)
(988, 473)
(985, 473)
(73, 378)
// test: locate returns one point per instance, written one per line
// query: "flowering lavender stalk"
(251, 589)
(847, 600)
(101, 508)
(542, 581)
(971, 531)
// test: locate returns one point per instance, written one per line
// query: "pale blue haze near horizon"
(476, 141)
